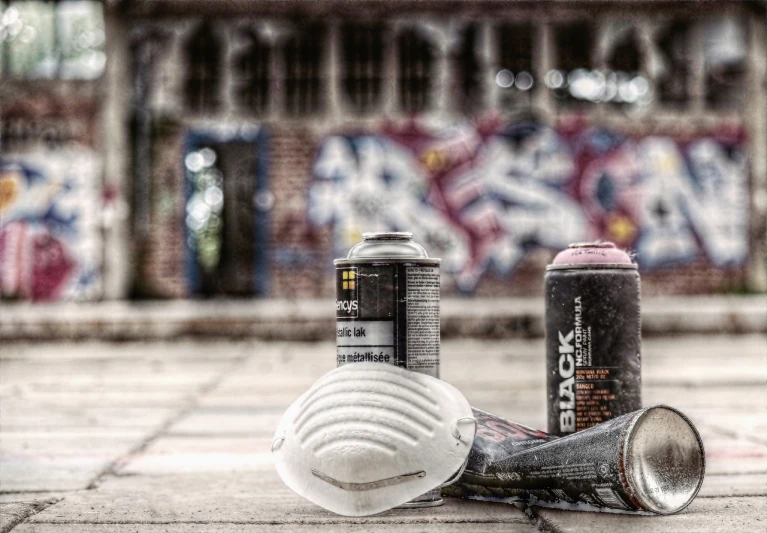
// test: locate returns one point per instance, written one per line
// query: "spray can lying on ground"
(650, 461)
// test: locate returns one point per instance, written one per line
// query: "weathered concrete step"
(315, 319)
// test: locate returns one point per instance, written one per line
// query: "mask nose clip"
(457, 432)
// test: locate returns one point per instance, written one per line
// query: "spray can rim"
(387, 236)
(594, 244)
(642, 465)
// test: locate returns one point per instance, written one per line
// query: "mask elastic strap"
(276, 443)
(457, 432)
(455, 477)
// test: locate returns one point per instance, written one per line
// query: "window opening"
(467, 69)
(574, 81)
(303, 67)
(203, 52)
(416, 60)
(623, 83)
(252, 75)
(726, 54)
(44, 39)
(674, 44)
(362, 65)
(516, 76)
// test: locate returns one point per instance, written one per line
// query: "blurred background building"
(177, 149)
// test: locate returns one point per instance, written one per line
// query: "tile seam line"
(541, 523)
(193, 402)
(113, 467)
(41, 506)
(308, 522)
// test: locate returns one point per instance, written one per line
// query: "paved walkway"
(172, 437)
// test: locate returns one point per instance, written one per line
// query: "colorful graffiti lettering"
(49, 240)
(482, 197)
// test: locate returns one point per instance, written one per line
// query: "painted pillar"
(756, 121)
(441, 89)
(167, 97)
(543, 59)
(390, 68)
(118, 248)
(276, 81)
(489, 55)
(333, 68)
(226, 87)
(697, 81)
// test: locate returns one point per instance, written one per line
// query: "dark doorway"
(233, 275)
(225, 221)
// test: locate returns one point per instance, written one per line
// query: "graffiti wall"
(50, 245)
(484, 196)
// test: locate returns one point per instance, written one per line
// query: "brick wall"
(160, 272)
(300, 255)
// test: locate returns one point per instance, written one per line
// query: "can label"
(593, 347)
(388, 313)
(510, 462)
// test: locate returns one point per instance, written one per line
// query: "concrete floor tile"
(70, 410)
(735, 398)
(341, 527)
(16, 512)
(704, 515)
(734, 456)
(23, 416)
(22, 497)
(718, 486)
(50, 473)
(238, 497)
(221, 422)
(188, 455)
(177, 349)
(747, 424)
(99, 397)
(69, 443)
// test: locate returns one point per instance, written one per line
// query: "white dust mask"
(367, 437)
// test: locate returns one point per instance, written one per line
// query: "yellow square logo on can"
(349, 277)
(346, 293)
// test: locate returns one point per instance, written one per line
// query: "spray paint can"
(387, 310)
(592, 337)
(651, 461)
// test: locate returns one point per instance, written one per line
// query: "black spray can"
(592, 337)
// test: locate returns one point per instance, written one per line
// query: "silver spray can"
(649, 461)
(387, 310)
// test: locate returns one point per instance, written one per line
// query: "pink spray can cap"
(589, 253)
